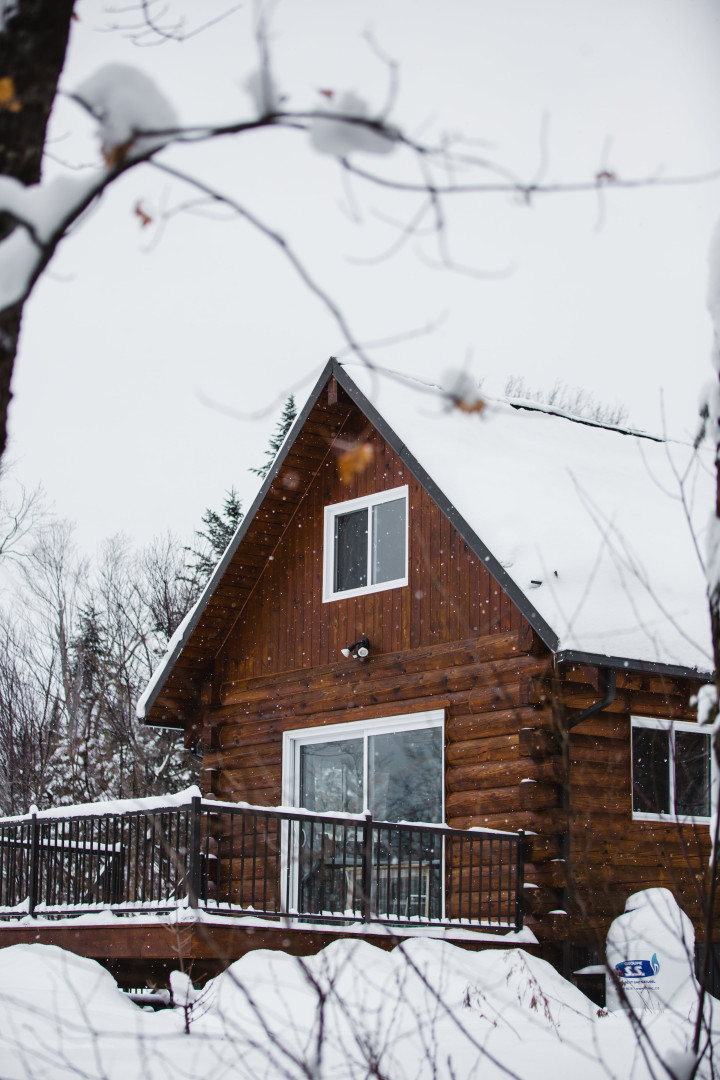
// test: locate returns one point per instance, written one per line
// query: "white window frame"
(354, 729)
(671, 727)
(293, 740)
(335, 510)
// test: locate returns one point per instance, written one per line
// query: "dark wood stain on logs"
(285, 625)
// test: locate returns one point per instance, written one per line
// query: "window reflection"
(398, 775)
(671, 770)
(692, 774)
(389, 534)
(405, 775)
(331, 777)
(651, 770)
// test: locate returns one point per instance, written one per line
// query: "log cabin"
(442, 681)
(482, 615)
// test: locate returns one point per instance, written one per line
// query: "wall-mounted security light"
(196, 751)
(359, 651)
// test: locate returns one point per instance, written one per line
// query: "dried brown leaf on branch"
(476, 405)
(8, 95)
(355, 460)
(114, 155)
(145, 218)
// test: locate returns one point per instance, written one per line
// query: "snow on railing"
(161, 853)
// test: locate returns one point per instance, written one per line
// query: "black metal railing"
(235, 859)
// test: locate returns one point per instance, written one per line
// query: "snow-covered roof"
(600, 530)
(596, 534)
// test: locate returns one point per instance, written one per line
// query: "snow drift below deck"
(425, 1011)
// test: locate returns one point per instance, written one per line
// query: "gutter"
(624, 663)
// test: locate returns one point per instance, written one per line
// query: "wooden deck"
(142, 953)
(148, 886)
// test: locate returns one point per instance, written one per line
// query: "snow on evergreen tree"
(75, 656)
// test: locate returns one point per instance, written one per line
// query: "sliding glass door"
(393, 768)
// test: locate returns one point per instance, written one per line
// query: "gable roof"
(586, 528)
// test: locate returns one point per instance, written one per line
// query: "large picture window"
(365, 544)
(671, 770)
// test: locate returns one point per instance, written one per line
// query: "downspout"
(610, 680)
(598, 706)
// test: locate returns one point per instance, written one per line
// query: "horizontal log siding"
(504, 769)
(285, 626)
(450, 640)
(611, 855)
(503, 762)
(244, 735)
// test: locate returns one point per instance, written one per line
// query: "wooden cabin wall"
(450, 640)
(285, 625)
(611, 855)
(473, 681)
(503, 763)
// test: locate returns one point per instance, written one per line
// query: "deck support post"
(366, 875)
(33, 868)
(194, 869)
(520, 880)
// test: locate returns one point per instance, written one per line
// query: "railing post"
(193, 885)
(520, 880)
(33, 868)
(366, 876)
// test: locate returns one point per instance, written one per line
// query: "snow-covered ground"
(427, 1009)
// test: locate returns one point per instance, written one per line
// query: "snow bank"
(425, 1006)
(425, 1010)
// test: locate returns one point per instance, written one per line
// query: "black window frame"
(669, 782)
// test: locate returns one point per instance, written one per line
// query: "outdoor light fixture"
(196, 751)
(358, 651)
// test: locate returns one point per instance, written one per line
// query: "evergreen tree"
(220, 528)
(278, 437)
(217, 534)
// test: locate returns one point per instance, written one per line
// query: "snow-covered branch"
(135, 121)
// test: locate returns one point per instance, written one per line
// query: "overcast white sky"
(132, 329)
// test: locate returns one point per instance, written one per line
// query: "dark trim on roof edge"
(622, 663)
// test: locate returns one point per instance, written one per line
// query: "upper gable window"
(366, 544)
(671, 770)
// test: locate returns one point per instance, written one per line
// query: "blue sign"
(638, 969)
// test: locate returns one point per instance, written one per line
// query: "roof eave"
(623, 663)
